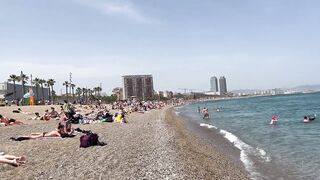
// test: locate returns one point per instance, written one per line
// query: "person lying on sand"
(46, 116)
(8, 122)
(12, 160)
(59, 133)
(37, 117)
(54, 113)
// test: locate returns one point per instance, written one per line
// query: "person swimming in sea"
(309, 118)
(274, 120)
(205, 113)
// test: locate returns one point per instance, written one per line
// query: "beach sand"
(154, 145)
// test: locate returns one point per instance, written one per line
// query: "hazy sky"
(254, 43)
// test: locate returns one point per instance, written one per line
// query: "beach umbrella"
(28, 95)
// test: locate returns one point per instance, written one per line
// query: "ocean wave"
(245, 151)
(208, 126)
(177, 113)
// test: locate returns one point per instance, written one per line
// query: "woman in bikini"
(60, 132)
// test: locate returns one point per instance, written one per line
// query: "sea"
(288, 150)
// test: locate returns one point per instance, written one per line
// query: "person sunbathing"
(12, 160)
(60, 132)
(8, 122)
(54, 113)
(37, 117)
(46, 116)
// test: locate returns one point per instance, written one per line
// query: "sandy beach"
(154, 145)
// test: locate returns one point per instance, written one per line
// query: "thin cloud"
(116, 8)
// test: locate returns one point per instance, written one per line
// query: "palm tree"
(14, 78)
(42, 82)
(24, 80)
(90, 92)
(37, 85)
(84, 92)
(66, 84)
(51, 83)
(47, 85)
(72, 88)
(99, 89)
(79, 92)
(95, 90)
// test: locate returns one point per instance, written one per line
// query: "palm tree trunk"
(23, 87)
(72, 93)
(42, 94)
(67, 92)
(14, 91)
(52, 95)
(49, 95)
(37, 91)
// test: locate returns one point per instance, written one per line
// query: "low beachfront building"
(118, 91)
(7, 90)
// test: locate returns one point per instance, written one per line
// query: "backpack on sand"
(88, 140)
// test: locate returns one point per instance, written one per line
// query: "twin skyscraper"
(222, 84)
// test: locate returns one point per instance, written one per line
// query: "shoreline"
(232, 166)
(231, 146)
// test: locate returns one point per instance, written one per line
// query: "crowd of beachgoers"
(70, 114)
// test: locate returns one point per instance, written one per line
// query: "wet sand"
(155, 145)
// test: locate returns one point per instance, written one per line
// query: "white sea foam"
(177, 113)
(208, 126)
(263, 155)
(245, 150)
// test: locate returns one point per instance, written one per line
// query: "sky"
(255, 44)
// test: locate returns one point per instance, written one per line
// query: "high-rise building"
(138, 86)
(223, 85)
(214, 84)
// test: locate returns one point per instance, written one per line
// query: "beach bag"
(88, 140)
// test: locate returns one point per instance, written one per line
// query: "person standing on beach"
(68, 109)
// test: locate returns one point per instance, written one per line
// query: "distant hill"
(247, 91)
(307, 88)
(303, 88)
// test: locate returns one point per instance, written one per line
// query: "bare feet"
(22, 160)
(15, 163)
